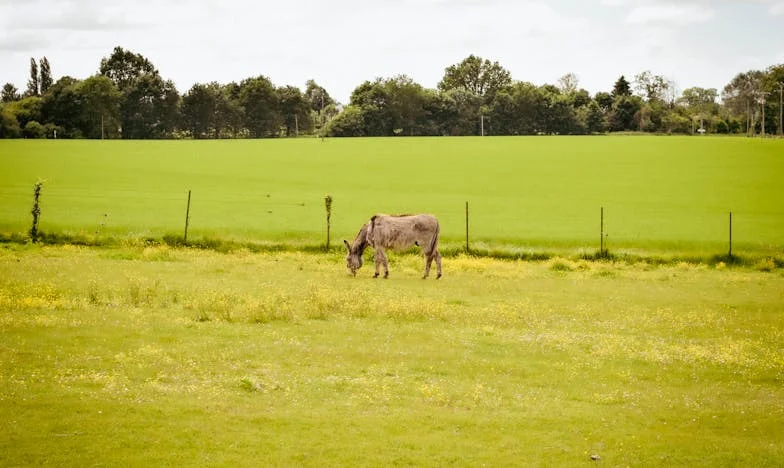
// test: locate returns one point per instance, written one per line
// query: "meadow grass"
(661, 195)
(141, 355)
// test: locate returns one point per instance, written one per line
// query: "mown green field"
(153, 356)
(660, 194)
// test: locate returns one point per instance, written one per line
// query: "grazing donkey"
(397, 233)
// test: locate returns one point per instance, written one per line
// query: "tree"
(476, 75)
(9, 93)
(774, 86)
(406, 105)
(650, 87)
(99, 113)
(521, 109)
(700, 103)
(33, 85)
(605, 100)
(621, 88)
(568, 83)
(348, 123)
(45, 81)
(150, 105)
(317, 97)
(150, 108)
(260, 104)
(25, 110)
(62, 106)
(373, 100)
(742, 95)
(123, 67)
(200, 110)
(623, 112)
(593, 117)
(231, 116)
(9, 126)
(294, 110)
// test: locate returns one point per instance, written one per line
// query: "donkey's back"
(402, 232)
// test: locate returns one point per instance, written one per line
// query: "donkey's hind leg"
(437, 256)
(428, 262)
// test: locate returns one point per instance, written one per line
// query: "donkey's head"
(353, 259)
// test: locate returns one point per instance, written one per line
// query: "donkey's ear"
(348, 247)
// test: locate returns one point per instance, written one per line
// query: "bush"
(9, 126)
(33, 129)
(54, 131)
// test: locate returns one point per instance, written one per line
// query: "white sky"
(341, 43)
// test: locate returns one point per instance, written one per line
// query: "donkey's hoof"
(386, 276)
(375, 276)
(439, 276)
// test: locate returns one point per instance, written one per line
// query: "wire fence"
(265, 217)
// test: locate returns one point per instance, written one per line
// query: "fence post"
(187, 218)
(601, 232)
(730, 252)
(468, 249)
(328, 205)
(36, 211)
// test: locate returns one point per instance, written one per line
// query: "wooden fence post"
(187, 218)
(730, 252)
(328, 205)
(36, 211)
(601, 232)
(468, 249)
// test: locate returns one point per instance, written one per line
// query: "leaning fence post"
(468, 249)
(187, 218)
(328, 206)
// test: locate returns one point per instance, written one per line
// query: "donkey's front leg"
(381, 259)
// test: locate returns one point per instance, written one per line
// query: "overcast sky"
(341, 43)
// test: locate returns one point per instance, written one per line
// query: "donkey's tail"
(434, 240)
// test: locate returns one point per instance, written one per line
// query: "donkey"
(396, 233)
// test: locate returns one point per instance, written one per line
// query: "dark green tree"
(100, 107)
(621, 88)
(200, 110)
(317, 97)
(9, 93)
(62, 106)
(623, 113)
(45, 81)
(294, 110)
(33, 85)
(605, 100)
(150, 108)
(594, 119)
(123, 67)
(260, 107)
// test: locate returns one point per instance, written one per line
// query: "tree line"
(129, 99)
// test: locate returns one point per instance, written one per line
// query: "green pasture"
(155, 356)
(660, 194)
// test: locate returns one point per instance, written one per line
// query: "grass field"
(660, 194)
(155, 356)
